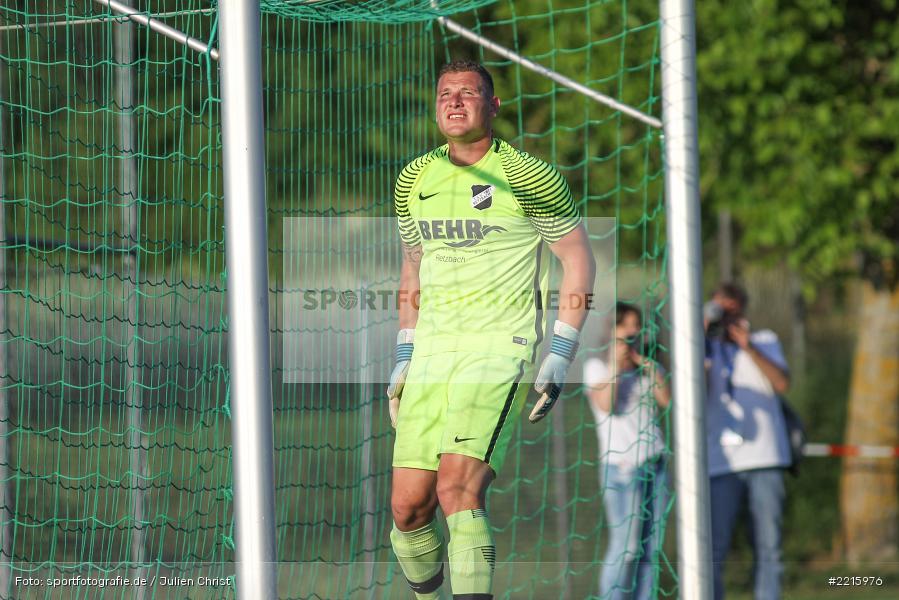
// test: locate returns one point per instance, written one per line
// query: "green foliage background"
(798, 101)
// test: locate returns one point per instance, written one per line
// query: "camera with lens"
(634, 343)
(718, 321)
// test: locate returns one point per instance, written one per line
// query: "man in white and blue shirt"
(747, 438)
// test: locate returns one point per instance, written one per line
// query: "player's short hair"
(469, 66)
(623, 309)
(734, 291)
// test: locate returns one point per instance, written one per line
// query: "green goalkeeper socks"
(472, 555)
(420, 553)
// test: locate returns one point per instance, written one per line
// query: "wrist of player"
(405, 339)
(554, 370)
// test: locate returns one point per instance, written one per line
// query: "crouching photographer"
(747, 438)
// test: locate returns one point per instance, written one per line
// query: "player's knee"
(455, 495)
(412, 512)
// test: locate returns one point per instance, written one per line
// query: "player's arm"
(409, 296)
(578, 272)
(545, 198)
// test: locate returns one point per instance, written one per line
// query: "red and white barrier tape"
(850, 450)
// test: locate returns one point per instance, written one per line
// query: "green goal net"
(115, 456)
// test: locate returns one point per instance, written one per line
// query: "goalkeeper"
(475, 218)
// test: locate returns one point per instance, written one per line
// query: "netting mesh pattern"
(112, 312)
(385, 11)
(117, 429)
(333, 440)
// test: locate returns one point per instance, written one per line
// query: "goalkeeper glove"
(552, 373)
(404, 348)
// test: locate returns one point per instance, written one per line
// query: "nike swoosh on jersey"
(459, 440)
(423, 197)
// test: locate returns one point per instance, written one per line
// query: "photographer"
(747, 439)
(624, 389)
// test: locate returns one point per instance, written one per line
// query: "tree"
(798, 101)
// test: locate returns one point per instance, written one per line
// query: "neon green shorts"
(460, 403)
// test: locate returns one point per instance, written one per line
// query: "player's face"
(464, 111)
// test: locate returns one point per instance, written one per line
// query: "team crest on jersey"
(482, 196)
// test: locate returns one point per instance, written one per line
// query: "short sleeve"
(542, 193)
(405, 223)
(596, 372)
(768, 344)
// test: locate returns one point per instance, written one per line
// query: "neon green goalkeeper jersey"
(484, 267)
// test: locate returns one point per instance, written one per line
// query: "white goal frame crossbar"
(548, 73)
(161, 28)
